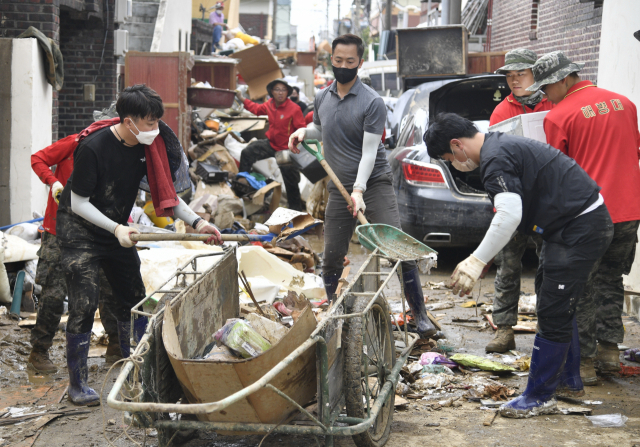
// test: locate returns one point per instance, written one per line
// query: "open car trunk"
(474, 99)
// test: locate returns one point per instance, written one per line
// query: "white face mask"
(464, 166)
(145, 137)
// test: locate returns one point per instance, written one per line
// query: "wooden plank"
(6, 50)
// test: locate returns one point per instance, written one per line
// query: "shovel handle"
(315, 152)
(155, 237)
(332, 175)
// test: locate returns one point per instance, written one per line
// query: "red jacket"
(283, 121)
(599, 130)
(59, 153)
(510, 107)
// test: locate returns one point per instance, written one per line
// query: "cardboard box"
(258, 67)
(529, 125)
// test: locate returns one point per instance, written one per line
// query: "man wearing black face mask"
(349, 118)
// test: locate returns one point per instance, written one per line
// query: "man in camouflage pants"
(517, 70)
(50, 274)
(599, 129)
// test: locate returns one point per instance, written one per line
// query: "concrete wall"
(31, 110)
(618, 70)
(173, 27)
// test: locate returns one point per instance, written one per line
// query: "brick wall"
(78, 28)
(565, 25)
(82, 41)
(255, 24)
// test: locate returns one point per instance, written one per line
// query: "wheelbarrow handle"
(155, 237)
(332, 175)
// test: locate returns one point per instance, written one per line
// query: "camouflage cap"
(551, 68)
(519, 59)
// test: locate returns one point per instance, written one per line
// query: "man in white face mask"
(535, 189)
(108, 168)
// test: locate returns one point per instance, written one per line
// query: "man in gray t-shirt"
(349, 119)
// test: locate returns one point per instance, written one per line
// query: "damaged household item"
(269, 330)
(160, 222)
(238, 336)
(212, 98)
(474, 361)
(528, 125)
(17, 249)
(258, 68)
(288, 223)
(210, 173)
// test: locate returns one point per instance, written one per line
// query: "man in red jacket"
(599, 130)
(509, 261)
(285, 118)
(519, 76)
(50, 274)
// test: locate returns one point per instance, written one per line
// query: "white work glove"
(240, 96)
(296, 138)
(204, 227)
(56, 189)
(122, 233)
(466, 274)
(358, 203)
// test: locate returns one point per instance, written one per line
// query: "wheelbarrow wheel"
(369, 358)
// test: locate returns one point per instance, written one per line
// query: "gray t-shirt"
(344, 122)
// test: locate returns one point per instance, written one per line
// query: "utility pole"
(387, 19)
(338, 18)
(274, 21)
(327, 20)
(356, 19)
(455, 12)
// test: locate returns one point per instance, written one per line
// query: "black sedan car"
(438, 204)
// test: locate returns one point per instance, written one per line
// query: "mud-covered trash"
(474, 361)
(239, 336)
(633, 355)
(445, 345)
(269, 330)
(220, 354)
(527, 304)
(402, 389)
(608, 420)
(437, 369)
(431, 381)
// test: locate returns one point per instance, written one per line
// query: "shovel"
(332, 175)
(192, 237)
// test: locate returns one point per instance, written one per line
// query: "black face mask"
(294, 98)
(344, 75)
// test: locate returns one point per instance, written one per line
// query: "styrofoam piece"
(529, 125)
(256, 261)
(263, 290)
(17, 249)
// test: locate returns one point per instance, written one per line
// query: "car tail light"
(423, 174)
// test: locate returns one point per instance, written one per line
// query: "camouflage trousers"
(599, 311)
(507, 283)
(50, 275)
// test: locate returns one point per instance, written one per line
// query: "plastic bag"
(436, 369)
(473, 361)
(237, 335)
(632, 354)
(433, 358)
(608, 420)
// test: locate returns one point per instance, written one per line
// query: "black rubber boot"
(77, 351)
(330, 285)
(415, 299)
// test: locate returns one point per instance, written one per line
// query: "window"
(535, 19)
(376, 82)
(390, 81)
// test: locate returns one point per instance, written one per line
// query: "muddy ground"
(417, 425)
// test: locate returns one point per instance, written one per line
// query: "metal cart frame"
(358, 298)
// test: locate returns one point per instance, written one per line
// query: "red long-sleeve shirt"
(599, 130)
(59, 154)
(283, 120)
(510, 107)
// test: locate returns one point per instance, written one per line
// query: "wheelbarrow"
(349, 358)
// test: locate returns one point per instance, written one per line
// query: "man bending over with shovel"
(349, 118)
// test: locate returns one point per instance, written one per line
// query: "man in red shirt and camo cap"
(599, 130)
